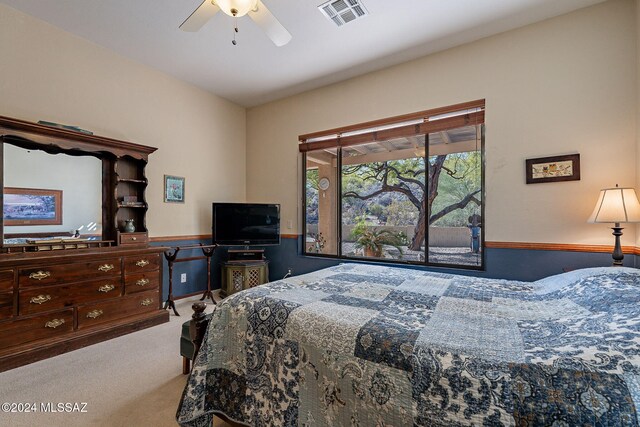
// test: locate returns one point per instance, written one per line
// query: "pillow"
(558, 281)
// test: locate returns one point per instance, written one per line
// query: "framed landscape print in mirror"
(32, 206)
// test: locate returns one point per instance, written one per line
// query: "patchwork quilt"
(362, 345)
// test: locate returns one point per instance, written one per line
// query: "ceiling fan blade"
(270, 25)
(200, 16)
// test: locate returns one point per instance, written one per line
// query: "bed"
(362, 345)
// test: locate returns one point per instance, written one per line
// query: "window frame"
(321, 138)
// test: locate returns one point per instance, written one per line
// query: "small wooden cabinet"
(239, 275)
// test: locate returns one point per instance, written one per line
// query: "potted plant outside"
(372, 240)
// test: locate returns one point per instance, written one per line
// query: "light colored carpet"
(133, 380)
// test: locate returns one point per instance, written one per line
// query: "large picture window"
(407, 189)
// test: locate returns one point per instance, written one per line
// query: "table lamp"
(616, 205)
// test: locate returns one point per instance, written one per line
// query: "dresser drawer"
(6, 305)
(136, 264)
(141, 282)
(133, 238)
(6, 280)
(35, 328)
(55, 297)
(54, 274)
(96, 314)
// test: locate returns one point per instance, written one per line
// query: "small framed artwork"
(32, 206)
(553, 169)
(173, 189)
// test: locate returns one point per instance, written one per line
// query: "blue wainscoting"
(196, 270)
(526, 264)
(517, 264)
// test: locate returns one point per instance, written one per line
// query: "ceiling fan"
(237, 8)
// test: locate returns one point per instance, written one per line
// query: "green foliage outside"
(396, 192)
(372, 239)
(461, 176)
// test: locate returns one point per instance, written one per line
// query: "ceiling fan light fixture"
(236, 7)
(257, 11)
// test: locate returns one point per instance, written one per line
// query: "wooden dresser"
(57, 295)
(53, 304)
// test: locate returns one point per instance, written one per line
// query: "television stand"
(240, 275)
(244, 255)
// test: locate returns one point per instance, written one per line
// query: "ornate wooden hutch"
(61, 293)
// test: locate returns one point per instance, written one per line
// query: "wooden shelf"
(136, 206)
(131, 185)
(131, 180)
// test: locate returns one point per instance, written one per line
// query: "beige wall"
(569, 84)
(561, 86)
(48, 74)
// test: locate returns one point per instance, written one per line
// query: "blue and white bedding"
(361, 345)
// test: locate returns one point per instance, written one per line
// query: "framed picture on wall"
(173, 189)
(553, 169)
(32, 206)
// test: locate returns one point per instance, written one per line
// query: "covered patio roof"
(449, 141)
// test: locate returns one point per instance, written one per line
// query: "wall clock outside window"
(323, 184)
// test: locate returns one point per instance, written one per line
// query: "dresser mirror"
(35, 181)
(88, 189)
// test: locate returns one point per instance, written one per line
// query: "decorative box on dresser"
(53, 299)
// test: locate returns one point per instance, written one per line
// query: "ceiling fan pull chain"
(235, 30)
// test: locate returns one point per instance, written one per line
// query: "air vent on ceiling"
(341, 12)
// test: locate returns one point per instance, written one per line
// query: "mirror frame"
(55, 140)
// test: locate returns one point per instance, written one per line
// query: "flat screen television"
(246, 224)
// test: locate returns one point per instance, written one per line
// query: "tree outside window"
(413, 198)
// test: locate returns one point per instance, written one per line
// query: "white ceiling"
(256, 71)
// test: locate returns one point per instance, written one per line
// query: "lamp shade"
(616, 205)
(242, 7)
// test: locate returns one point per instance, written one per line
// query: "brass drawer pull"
(106, 267)
(142, 263)
(147, 301)
(54, 323)
(142, 282)
(40, 299)
(106, 288)
(39, 275)
(93, 314)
